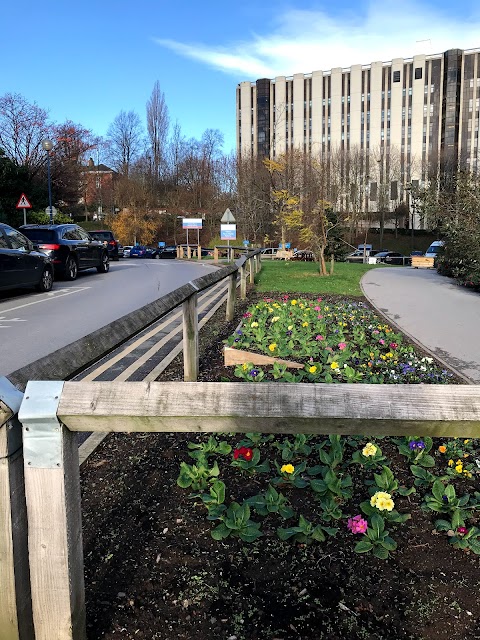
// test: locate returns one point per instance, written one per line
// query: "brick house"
(98, 186)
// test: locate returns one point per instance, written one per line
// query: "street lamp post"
(48, 146)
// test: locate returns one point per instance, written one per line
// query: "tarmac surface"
(436, 313)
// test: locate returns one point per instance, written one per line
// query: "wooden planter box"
(233, 357)
(422, 262)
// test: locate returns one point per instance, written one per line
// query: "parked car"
(434, 249)
(416, 253)
(109, 241)
(21, 264)
(393, 257)
(70, 248)
(269, 252)
(358, 255)
(170, 251)
(305, 255)
(126, 251)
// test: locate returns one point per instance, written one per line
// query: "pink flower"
(393, 345)
(462, 531)
(319, 337)
(342, 345)
(319, 299)
(247, 315)
(357, 524)
(375, 331)
(319, 317)
(382, 341)
(317, 308)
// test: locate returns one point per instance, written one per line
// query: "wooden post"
(52, 489)
(178, 252)
(16, 620)
(332, 263)
(252, 271)
(190, 339)
(231, 295)
(189, 252)
(215, 255)
(243, 281)
(199, 252)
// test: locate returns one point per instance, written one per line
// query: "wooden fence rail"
(52, 411)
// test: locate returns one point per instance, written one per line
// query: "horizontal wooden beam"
(437, 410)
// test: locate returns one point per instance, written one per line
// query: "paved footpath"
(433, 310)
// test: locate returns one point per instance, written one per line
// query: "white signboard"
(228, 231)
(192, 223)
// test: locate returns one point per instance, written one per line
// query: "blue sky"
(89, 60)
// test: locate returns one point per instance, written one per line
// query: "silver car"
(126, 251)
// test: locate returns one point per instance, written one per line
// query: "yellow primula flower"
(304, 324)
(450, 463)
(466, 441)
(275, 318)
(290, 327)
(382, 500)
(294, 302)
(312, 369)
(369, 449)
(334, 365)
(254, 324)
(272, 346)
(244, 366)
(287, 468)
(389, 355)
(459, 468)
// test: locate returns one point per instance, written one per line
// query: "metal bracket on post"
(42, 432)
(11, 398)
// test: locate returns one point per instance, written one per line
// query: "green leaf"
(438, 490)
(427, 461)
(364, 546)
(389, 544)
(381, 553)
(220, 532)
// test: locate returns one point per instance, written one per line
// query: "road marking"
(6, 326)
(52, 295)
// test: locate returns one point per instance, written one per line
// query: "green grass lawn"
(303, 277)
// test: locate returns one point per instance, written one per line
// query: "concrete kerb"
(413, 339)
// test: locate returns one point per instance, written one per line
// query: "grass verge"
(303, 277)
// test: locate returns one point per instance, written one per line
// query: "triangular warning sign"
(23, 203)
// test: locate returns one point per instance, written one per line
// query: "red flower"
(393, 345)
(462, 530)
(245, 452)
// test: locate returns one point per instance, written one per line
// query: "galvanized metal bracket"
(42, 431)
(11, 399)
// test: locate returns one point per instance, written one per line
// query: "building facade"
(426, 108)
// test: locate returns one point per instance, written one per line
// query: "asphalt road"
(32, 325)
(434, 310)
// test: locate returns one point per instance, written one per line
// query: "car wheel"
(46, 281)
(157, 256)
(71, 269)
(105, 266)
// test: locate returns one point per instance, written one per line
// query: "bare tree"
(125, 138)
(157, 127)
(23, 126)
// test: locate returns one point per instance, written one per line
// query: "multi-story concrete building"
(425, 107)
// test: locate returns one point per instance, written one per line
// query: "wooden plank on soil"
(237, 356)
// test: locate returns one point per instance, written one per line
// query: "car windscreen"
(40, 236)
(434, 249)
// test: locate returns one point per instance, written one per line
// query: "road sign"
(23, 203)
(228, 231)
(54, 211)
(227, 217)
(246, 243)
(192, 223)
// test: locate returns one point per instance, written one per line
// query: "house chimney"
(90, 163)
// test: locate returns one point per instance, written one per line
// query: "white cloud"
(306, 41)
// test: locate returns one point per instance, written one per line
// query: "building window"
(418, 73)
(396, 76)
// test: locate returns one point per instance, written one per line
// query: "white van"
(434, 248)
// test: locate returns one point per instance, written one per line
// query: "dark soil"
(154, 572)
